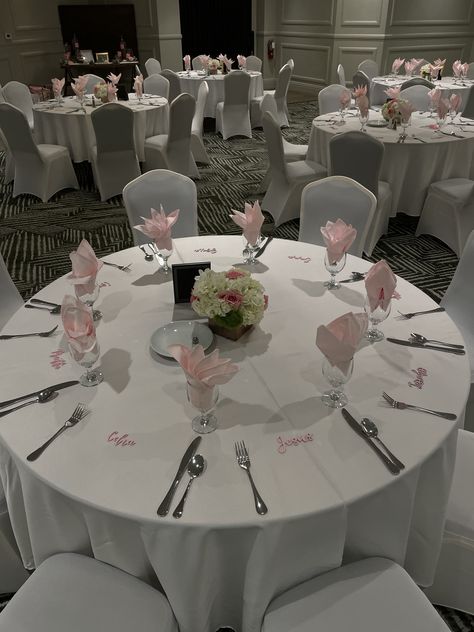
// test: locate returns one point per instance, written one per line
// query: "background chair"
(470, 72)
(152, 66)
(198, 148)
(175, 86)
(287, 180)
(17, 94)
(165, 187)
(359, 156)
(360, 79)
(92, 81)
(157, 84)
(114, 161)
(232, 114)
(341, 75)
(76, 593)
(41, 170)
(369, 67)
(197, 63)
(417, 95)
(417, 81)
(173, 150)
(279, 94)
(254, 63)
(328, 98)
(332, 198)
(367, 596)
(11, 297)
(468, 109)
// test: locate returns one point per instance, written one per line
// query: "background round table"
(330, 499)
(448, 84)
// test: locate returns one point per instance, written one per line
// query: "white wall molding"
(367, 36)
(428, 21)
(376, 22)
(310, 22)
(309, 47)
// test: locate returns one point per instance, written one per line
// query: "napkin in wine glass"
(409, 66)
(457, 68)
(345, 98)
(442, 108)
(406, 109)
(58, 85)
(339, 339)
(204, 59)
(79, 85)
(393, 93)
(242, 61)
(187, 62)
(138, 85)
(114, 78)
(435, 95)
(85, 267)
(397, 64)
(111, 92)
(78, 325)
(251, 221)
(380, 284)
(455, 102)
(338, 237)
(158, 227)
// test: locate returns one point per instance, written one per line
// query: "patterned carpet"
(36, 238)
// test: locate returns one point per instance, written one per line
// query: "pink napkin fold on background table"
(158, 227)
(78, 325)
(435, 95)
(455, 101)
(380, 284)
(114, 79)
(442, 108)
(79, 85)
(345, 98)
(85, 267)
(393, 93)
(338, 237)
(338, 341)
(242, 61)
(138, 85)
(251, 221)
(111, 92)
(187, 62)
(397, 64)
(58, 85)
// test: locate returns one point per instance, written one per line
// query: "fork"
(428, 311)
(79, 413)
(114, 265)
(401, 406)
(243, 460)
(42, 334)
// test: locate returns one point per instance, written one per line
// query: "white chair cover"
(232, 114)
(171, 190)
(175, 87)
(197, 63)
(372, 595)
(448, 212)
(197, 144)
(78, 594)
(41, 170)
(468, 109)
(254, 63)
(417, 81)
(173, 150)
(157, 84)
(360, 79)
(332, 198)
(328, 98)
(11, 299)
(369, 67)
(152, 66)
(9, 173)
(17, 94)
(279, 94)
(359, 156)
(92, 81)
(341, 74)
(417, 96)
(470, 72)
(283, 197)
(114, 161)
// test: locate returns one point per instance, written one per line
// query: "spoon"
(371, 430)
(421, 339)
(147, 256)
(54, 310)
(196, 467)
(41, 398)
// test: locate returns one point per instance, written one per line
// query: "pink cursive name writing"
(211, 250)
(120, 440)
(297, 440)
(418, 382)
(303, 259)
(56, 361)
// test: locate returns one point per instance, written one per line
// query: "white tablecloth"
(408, 167)
(190, 83)
(447, 84)
(330, 498)
(69, 126)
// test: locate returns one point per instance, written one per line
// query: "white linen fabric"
(157, 84)
(280, 94)
(13, 574)
(152, 66)
(17, 94)
(11, 297)
(448, 84)
(253, 63)
(417, 96)
(232, 114)
(197, 144)
(369, 67)
(329, 499)
(175, 86)
(328, 98)
(92, 81)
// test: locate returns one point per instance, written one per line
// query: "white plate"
(180, 332)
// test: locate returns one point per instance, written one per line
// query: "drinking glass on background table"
(337, 378)
(250, 250)
(376, 316)
(363, 118)
(88, 294)
(162, 256)
(92, 377)
(204, 399)
(333, 268)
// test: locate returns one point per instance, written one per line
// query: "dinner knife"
(355, 425)
(418, 345)
(55, 387)
(188, 455)
(261, 250)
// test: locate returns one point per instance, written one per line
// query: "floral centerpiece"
(100, 91)
(214, 65)
(232, 300)
(391, 109)
(425, 71)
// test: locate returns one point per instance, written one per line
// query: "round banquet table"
(190, 83)
(409, 167)
(450, 85)
(97, 488)
(71, 127)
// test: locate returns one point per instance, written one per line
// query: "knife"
(358, 429)
(55, 387)
(261, 250)
(188, 455)
(418, 345)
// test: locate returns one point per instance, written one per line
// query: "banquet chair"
(92, 81)
(369, 67)
(328, 98)
(371, 595)
(78, 594)
(175, 86)
(359, 80)
(448, 212)
(17, 94)
(253, 63)
(468, 109)
(232, 114)
(41, 170)
(470, 72)
(173, 150)
(417, 81)
(341, 75)
(156, 84)
(171, 190)
(416, 69)
(359, 156)
(152, 66)
(417, 95)
(198, 148)
(11, 299)
(113, 157)
(332, 198)
(279, 93)
(9, 166)
(287, 179)
(197, 63)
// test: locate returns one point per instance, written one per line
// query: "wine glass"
(342, 112)
(91, 377)
(333, 268)
(404, 122)
(440, 120)
(250, 250)
(376, 316)
(204, 399)
(335, 397)
(162, 255)
(363, 118)
(88, 294)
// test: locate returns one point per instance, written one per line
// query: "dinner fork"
(42, 334)
(114, 265)
(243, 460)
(401, 406)
(428, 311)
(79, 413)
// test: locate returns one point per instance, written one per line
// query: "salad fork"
(42, 334)
(401, 406)
(428, 311)
(243, 461)
(114, 265)
(79, 413)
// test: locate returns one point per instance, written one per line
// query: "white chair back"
(329, 98)
(421, 63)
(182, 110)
(417, 81)
(254, 63)
(157, 84)
(273, 138)
(341, 74)
(236, 89)
(17, 94)
(107, 121)
(359, 80)
(370, 67)
(2, 98)
(291, 64)
(175, 87)
(92, 81)
(171, 190)
(10, 300)
(15, 128)
(152, 66)
(417, 96)
(197, 63)
(283, 82)
(468, 106)
(198, 117)
(332, 198)
(268, 104)
(470, 72)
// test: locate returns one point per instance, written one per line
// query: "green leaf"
(232, 320)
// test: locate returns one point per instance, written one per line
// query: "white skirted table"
(426, 156)
(96, 489)
(449, 85)
(70, 126)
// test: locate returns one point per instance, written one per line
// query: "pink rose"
(265, 301)
(234, 274)
(232, 298)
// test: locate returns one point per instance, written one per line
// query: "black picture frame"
(184, 278)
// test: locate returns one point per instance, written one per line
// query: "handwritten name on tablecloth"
(303, 259)
(285, 442)
(418, 382)
(211, 251)
(120, 441)
(56, 361)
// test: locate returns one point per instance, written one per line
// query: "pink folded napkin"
(393, 93)
(187, 62)
(345, 98)
(114, 78)
(362, 103)
(158, 227)
(409, 67)
(338, 237)
(58, 85)
(224, 59)
(380, 284)
(78, 325)
(397, 64)
(79, 85)
(455, 102)
(111, 92)
(406, 109)
(435, 95)
(339, 340)
(442, 108)
(242, 61)
(203, 372)
(204, 59)
(359, 91)
(457, 68)
(138, 85)
(439, 62)
(251, 221)
(85, 267)
(464, 69)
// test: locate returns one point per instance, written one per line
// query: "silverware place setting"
(36, 303)
(262, 248)
(243, 461)
(164, 507)
(148, 256)
(420, 345)
(54, 387)
(402, 406)
(42, 334)
(426, 311)
(355, 276)
(195, 468)
(423, 340)
(126, 268)
(42, 397)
